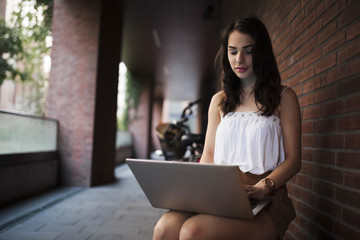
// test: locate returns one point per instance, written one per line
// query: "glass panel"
(123, 139)
(23, 134)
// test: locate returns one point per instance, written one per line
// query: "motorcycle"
(176, 140)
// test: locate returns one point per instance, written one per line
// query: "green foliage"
(47, 6)
(123, 120)
(33, 31)
(11, 50)
(133, 90)
(132, 100)
(26, 43)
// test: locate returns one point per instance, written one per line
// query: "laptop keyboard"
(253, 205)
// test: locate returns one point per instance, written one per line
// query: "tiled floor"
(117, 211)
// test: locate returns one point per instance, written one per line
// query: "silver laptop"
(195, 188)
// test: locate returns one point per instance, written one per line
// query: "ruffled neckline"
(252, 115)
(249, 113)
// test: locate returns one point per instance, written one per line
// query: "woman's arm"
(213, 122)
(290, 118)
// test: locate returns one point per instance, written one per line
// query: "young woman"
(254, 122)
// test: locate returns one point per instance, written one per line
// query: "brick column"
(140, 124)
(82, 88)
(103, 161)
(156, 119)
(2, 8)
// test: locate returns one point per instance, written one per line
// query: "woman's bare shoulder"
(287, 92)
(215, 102)
(288, 98)
(218, 97)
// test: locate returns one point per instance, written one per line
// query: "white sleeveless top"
(249, 140)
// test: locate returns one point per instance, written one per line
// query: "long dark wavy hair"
(267, 86)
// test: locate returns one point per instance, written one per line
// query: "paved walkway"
(117, 211)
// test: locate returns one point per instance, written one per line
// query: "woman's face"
(240, 48)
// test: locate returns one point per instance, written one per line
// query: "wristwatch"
(270, 184)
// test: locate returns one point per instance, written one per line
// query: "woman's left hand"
(258, 191)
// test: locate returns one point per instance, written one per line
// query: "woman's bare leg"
(169, 225)
(212, 227)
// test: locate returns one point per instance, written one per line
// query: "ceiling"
(174, 42)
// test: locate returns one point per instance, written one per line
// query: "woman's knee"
(159, 231)
(192, 230)
(169, 225)
(164, 229)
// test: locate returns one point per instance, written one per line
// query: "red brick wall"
(317, 46)
(140, 121)
(83, 88)
(72, 84)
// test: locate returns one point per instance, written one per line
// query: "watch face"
(270, 183)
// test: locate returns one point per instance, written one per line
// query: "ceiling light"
(156, 38)
(166, 70)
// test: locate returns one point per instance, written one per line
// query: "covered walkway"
(115, 211)
(317, 48)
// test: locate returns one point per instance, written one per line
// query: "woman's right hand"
(258, 191)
